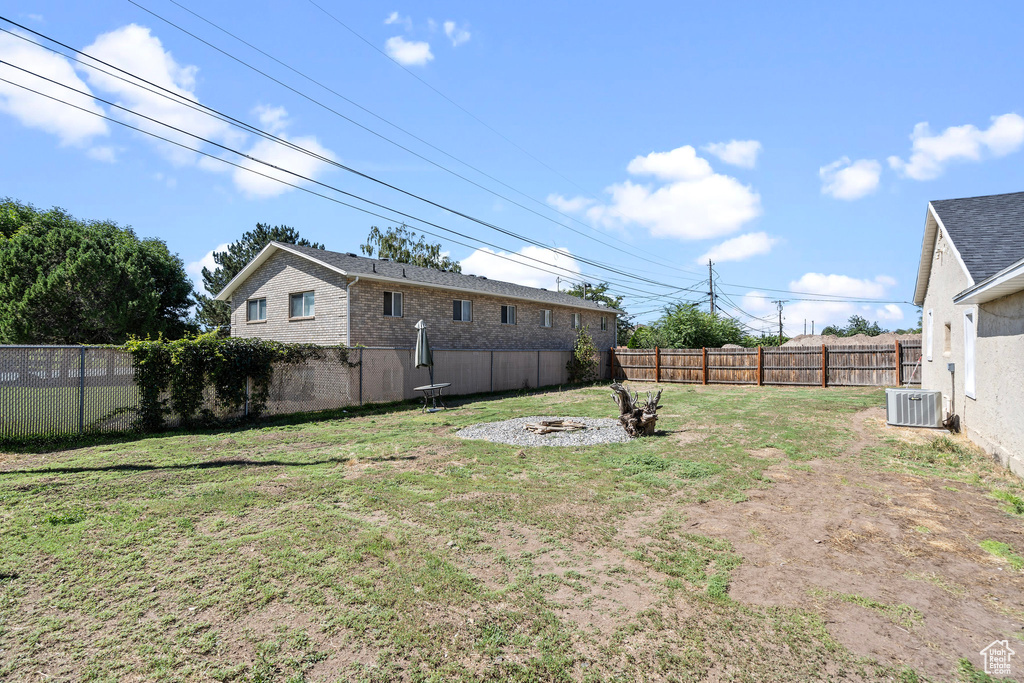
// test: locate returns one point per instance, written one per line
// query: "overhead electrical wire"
(650, 258)
(370, 130)
(226, 118)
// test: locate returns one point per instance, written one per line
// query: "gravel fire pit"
(598, 431)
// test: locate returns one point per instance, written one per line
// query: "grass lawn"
(767, 534)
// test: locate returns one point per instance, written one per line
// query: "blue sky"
(797, 145)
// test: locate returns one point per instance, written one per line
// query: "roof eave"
(1008, 281)
(924, 269)
(261, 258)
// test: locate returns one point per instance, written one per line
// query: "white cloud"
(195, 268)
(38, 18)
(681, 163)
(848, 180)
(931, 153)
(457, 35)
(693, 202)
(136, 49)
(103, 153)
(519, 269)
(396, 18)
(740, 248)
(71, 126)
(408, 52)
(276, 154)
(741, 153)
(574, 205)
(823, 313)
(273, 119)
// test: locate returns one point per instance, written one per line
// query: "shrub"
(582, 366)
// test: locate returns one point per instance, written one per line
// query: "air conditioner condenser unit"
(913, 408)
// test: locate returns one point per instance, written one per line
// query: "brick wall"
(434, 307)
(283, 274)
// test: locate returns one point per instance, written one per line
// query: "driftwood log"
(636, 419)
(548, 426)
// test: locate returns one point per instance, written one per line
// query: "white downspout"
(348, 312)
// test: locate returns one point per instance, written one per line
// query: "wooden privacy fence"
(849, 366)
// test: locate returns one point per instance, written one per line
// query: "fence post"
(657, 365)
(824, 367)
(899, 365)
(81, 390)
(760, 366)
(360, 377)
(705, 363)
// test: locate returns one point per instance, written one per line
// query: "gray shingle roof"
(987, 231)
(362, 266)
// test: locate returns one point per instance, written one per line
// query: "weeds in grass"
(901, 614)
(969, 674)
(1014, 503)
(1003, 551)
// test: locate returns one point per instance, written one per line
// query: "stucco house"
(300, 294)
(970, 285)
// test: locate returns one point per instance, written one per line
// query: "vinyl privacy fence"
(67, 390)
(882, 365)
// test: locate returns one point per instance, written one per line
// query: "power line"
(228, 119)
(375, 133)
(450, 100)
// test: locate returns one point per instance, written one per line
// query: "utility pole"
(812, 328)
(805, 325)
(558, 284)
(585, 291)
(780, 303)
(711, 286)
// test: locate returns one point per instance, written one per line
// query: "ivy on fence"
(173, 375)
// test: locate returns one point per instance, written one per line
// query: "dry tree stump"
(637, 419)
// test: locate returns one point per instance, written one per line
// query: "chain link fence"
(68, 390)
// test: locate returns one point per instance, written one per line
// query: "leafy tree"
(13, 215)
(685, 326)
(582, 365)
(216, 315)
(599, 292)
(855, 325)
(400, 244)
(64, 280)
(646, 337)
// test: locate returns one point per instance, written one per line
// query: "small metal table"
(433, 393)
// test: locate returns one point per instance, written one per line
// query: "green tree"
(599, 292)
(216, 315)
(400, 244)
(582, 365)
(66, 281)
(855, 325)
(685, 326)
(646, 337)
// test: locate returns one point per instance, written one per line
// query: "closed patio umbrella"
(424, 359)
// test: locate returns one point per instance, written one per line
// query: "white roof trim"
(924, 269)
(1008, 281)
(261, 258)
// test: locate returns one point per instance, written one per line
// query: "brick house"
(299, 294)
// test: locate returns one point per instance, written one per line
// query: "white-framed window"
(462, 310)
(256, 310)
(604, 322)
(970, 334)
(576, 324)
(545, 318)
(508, 315)
(302, 305)
(393, 304)
(929, 333)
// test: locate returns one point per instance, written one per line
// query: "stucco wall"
(284, 274)
(995, 417)
(434, 307)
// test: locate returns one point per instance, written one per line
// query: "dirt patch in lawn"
(892, 560)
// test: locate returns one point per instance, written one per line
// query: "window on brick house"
(302, 305)
(462, 310)
(604, 322)
(256, 310)
(393, 304)
(576, 324)
(508, 315)
(545, 318)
